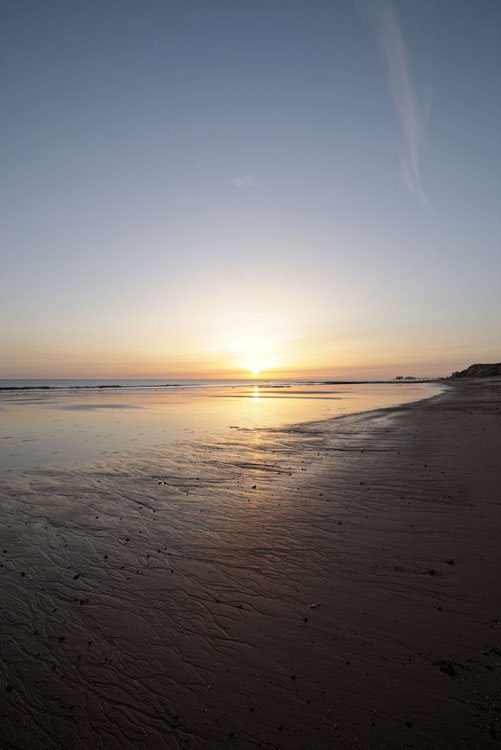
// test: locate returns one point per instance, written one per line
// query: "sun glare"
(255, 369)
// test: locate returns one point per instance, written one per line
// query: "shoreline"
(273, 383)
(194, 576)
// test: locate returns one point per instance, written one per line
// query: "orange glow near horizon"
(235, 326)
(237, 343)
(229, 367)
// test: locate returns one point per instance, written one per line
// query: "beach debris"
(314, 605)
(446, 666)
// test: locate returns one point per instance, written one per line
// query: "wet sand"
(334, 585)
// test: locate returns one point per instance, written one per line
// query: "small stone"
(447, 668)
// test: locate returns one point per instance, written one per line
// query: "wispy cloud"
(246, 180)
(410, 111)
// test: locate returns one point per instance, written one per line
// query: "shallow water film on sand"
(47, 427)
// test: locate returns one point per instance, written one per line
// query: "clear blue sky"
(202, 188)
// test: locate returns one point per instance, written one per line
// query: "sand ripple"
(285, 588)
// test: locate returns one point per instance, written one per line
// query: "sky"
(207, 189)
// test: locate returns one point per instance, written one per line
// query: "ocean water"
(46, 423)
(58, 384)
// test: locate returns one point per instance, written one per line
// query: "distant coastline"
(70, 384)
(479, 371)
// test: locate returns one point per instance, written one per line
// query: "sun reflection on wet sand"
(45, 429)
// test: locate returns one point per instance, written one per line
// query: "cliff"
(479, 371)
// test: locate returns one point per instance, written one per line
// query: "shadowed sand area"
(334, 585)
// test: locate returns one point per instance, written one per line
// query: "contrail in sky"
(410, 114)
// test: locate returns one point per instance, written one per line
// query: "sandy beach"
(334, 585)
